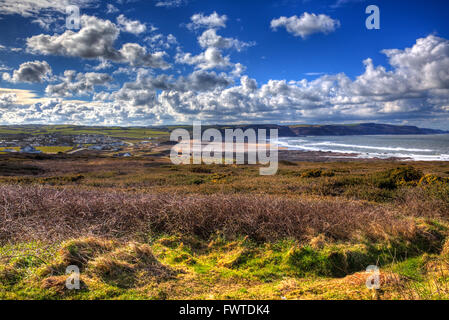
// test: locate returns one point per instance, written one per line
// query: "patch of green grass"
(412, 268)
(54, 149)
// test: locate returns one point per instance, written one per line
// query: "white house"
(126, 154)
(29, 149)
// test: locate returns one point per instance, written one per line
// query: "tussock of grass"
(236, 258)
(121, 265)
(58, 285)
(125, 265)
(9, 275)
(79, 252)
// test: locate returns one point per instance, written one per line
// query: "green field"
(117, 132)
(44, 149)
(54, 149)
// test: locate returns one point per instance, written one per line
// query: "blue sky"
(174, 61)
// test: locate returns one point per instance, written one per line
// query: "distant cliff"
(359, 129)
(21, 132)
(334, 130)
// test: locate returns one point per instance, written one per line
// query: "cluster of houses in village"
(112, 146)
(83, 141)
(98, 142)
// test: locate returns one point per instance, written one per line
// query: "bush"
(316, 173)
(44, 213)
(311, 173)
(369, 193)
(197, 181)
(404, 175)
(431, 179)
(201, 169)
(393, 178)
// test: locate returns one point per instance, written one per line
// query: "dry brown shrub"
(46, 213)
(426, 201)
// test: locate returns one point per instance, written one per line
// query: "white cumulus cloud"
(131, 26)
(210, 38)
(95, 40)
(214, 20)
(307, 24)
(29, 8)
(74, 83)
(31, 72)
(209, 59)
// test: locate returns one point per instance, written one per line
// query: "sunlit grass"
(118, 132)
(54, 149)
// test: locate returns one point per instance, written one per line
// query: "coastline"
(378, 147)
(287, 153)
(326, 156)
(291, 154)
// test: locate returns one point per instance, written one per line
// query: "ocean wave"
(294, 146)
(333, 144)
(406, 154)
(414, 157)
(307, 148)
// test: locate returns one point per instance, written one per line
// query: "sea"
(433, 147)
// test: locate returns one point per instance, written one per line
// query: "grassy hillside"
(146, 229)
(164, 131)
(118, 132)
